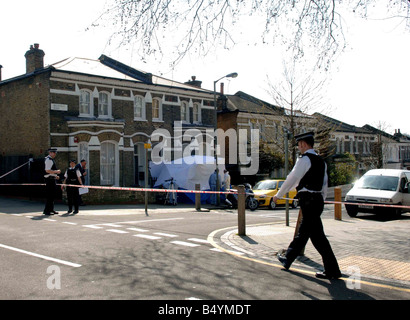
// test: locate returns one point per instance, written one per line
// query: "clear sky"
(366, 85)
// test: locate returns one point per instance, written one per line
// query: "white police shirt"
(302, 166)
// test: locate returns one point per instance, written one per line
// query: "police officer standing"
(81, 167)
(310, 179)
(50, 175)
(72, 177)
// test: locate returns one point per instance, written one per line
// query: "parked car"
(379, 187)
(265, 190)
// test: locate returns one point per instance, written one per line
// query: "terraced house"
(99, 110)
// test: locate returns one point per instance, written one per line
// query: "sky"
(366, 84)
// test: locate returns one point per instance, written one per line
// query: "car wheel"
(295, 203)
(272, 204)
(352, 210)
(253, 204)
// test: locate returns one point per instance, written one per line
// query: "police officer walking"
(310, 179)
(50, 175)
(72, 177)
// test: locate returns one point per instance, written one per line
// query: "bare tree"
(200, 25)
(300, 93)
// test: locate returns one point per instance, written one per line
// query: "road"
(112, 253)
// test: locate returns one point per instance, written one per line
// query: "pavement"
(369, 249)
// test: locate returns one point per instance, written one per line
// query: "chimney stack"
(34, 58)
(194, 82)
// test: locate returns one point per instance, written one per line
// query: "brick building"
(99, 110)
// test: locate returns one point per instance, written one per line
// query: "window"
(156, 109)
(139, 108)
(85, 103)
(104, 108)
(84, 155)
(196, 113)
(184, 111)
(107, 163)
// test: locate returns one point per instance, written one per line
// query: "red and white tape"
(196, 191)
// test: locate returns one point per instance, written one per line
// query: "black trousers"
(73, 198)
(311, 228)
(50, 195)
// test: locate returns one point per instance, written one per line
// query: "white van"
(380, 187)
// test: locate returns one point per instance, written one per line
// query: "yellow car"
(265, 190)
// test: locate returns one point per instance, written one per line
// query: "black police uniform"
(50, 181)
(312, 204)
(73, 197)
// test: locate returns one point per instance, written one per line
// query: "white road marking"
(67, 263)
(166, 234)
(186, 244)
(198, 240)
(51, 220)
(109, 225)
(72, 223)
(151, 220)
(145, 236)
(137, 229)
(216, 250)
(116, 231)
(92, 226)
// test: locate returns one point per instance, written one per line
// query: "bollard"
(197, 197)
(241, 211)
(338, 206)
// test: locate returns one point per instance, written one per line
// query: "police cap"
(304, 136)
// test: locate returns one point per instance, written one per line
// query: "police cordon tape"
(200, 191)
(6, 174)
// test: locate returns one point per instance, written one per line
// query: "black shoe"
(284, 261)
(54, 212)
(48, 213)
(75, 212)
(69, 211)
(324, 275)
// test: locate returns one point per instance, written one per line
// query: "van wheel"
(295, 203)
(272, 204)
(352, 210)
(396, 211)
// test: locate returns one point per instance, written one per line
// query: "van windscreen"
(378, 183)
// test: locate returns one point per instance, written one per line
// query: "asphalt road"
(109, 253)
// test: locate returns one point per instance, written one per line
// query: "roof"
(110, 68)
(243, 102)
(340, 126)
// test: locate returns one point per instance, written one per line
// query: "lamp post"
(230, 75)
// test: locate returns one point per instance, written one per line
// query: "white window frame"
(108, 115)
(143, 108)
(184, 111)
(159, 101)
(90, 112)
(112, 166)
(84, 153)
(198, 118)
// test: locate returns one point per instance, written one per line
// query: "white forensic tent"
(186, 173)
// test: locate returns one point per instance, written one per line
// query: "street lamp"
(230, 75)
